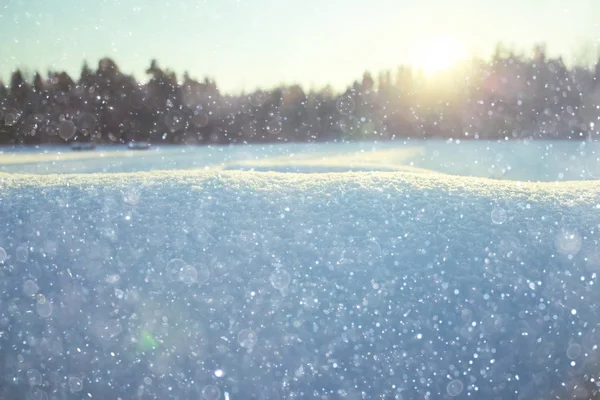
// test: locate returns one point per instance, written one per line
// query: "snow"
(544, 161)
(210, 274)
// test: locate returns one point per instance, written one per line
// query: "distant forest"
(508, 96)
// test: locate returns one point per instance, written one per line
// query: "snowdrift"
(237, 284)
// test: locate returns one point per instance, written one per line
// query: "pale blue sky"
(249, 43)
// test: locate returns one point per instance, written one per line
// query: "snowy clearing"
(526, 161)
(197, 279)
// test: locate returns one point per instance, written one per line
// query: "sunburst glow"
(439, 54)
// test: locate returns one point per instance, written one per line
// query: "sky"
(245, 44)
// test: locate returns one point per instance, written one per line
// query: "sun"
(438, 54)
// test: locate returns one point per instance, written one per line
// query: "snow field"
(343, 285)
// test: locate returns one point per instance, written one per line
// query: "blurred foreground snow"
(221, 283)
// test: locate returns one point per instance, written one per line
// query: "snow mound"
(375, 160)
(543, 161)
(357, 285)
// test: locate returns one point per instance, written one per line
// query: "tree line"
(509, 96)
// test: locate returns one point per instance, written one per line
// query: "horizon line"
(467, 61)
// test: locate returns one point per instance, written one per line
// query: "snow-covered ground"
(210, 274)
(527, 161)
